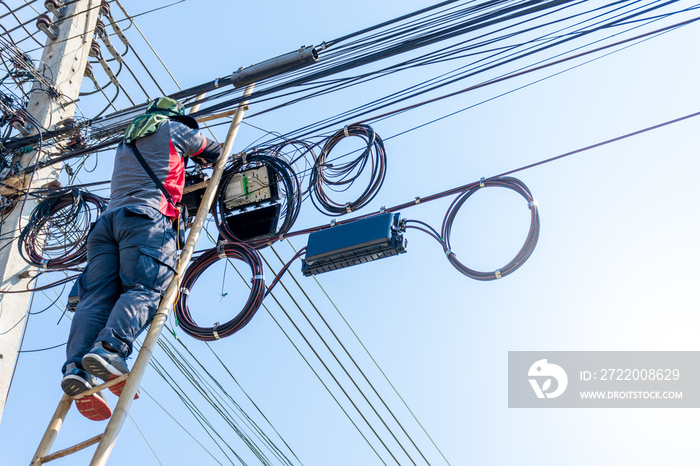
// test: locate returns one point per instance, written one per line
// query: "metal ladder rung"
(70, 450)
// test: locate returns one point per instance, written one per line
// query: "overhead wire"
(693, 115)
(347, 374)
(337, 309)
(358, 112)
(232, 404)
(228, 371)
(199, 385)
(178, 423)
(306, 360)
(288, 136)
(145, 439)
(355, 364)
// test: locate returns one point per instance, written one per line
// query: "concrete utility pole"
(62, 63)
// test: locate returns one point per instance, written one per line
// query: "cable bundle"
(287, 184)
(56, 235)
(524, 253)
(339, 176)
(238, 251)
(297, 152)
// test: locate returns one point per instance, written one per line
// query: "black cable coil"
(527, 248)
(339, 176)
(56, 235)
(287, 184)
(238, 251)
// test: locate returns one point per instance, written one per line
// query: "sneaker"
(94, 407)
(76, 381)
(106, 365)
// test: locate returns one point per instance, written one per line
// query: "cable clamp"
(45, 264)
(184, 291)
(281, 238)
(221, 249)
(244, 156)
(216, 334)
(348, 209)
(417, 200)
(481, 182)
(382, 209)
(216, 82)
(532, 204)
(332, 222)
(449, 253)
(498, 274)
(345, 130)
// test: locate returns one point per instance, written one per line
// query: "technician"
(132, 249)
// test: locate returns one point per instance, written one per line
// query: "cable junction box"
(353, 243)
(251, 187)
(254, 223)
(195, 185)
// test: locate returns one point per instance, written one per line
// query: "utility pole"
(62, 63)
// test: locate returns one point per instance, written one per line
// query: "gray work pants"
(131, 259)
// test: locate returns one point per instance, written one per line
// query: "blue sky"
(614, 268)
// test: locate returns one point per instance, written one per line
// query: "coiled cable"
(56, 235)
(239, 251)
(339, 176)
(525, 251)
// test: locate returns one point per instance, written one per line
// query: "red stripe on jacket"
(201, 149)
(174, 182)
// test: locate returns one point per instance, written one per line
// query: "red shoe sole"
(117, 389)
(94, 408)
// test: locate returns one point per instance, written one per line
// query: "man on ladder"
(132, 249)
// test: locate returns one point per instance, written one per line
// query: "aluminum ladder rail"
(133, 379)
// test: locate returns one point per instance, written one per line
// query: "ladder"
(108, 438)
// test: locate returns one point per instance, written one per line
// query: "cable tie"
(481, 182)
(281, 238)
(449, 253)
(498, 274)
(417, 201)
(259, 277)
(221, 249)
(348, 209)
(244, 156)
(216, 334)
(532, 204)
(184, 291)
(45, 263)
(345, 130)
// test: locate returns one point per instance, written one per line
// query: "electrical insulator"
(90, 75)
(44, 23)
(20, 124)
(55, 7)
(104, 8)
(100, 27)
(95, 49)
